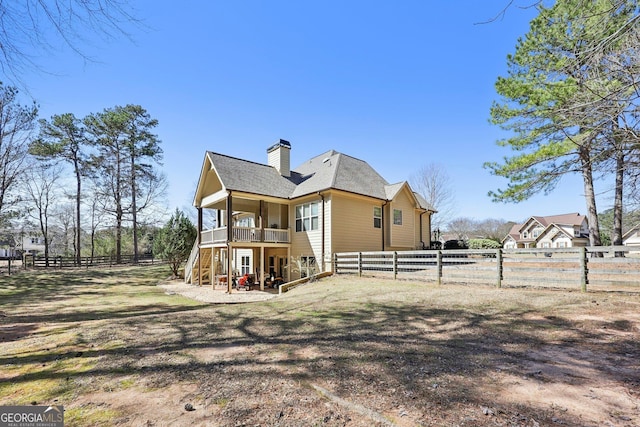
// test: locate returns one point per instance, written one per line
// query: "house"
(557, 231)
(14, 243)
(278, 222)
(632, 236)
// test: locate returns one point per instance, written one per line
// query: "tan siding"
(352, 225)
(305, 243)
(211, 184)
(328, 240)
(426, 236)
(402, 236)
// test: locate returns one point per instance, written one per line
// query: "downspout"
(323, 233)
(386, 202)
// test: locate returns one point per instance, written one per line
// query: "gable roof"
(631, 231)
(250, 177)
(545, 221)
(514, 233)
(330, 170)
(553, 227)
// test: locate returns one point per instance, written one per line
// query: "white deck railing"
(246, 234)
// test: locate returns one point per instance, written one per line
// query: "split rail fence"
(596, 268)
(11, 266)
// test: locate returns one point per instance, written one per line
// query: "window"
(377, 217)
(536, 233)
(397, 217)
(307, 266)
(246, 267)
(245, 222)
(307, 217)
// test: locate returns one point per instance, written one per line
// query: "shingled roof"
(251, 177)
(563, 219)
(330, 170)
(334, 170)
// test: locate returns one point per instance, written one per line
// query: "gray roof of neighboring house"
(330, 170)
(564, 219)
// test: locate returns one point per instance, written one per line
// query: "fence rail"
(599, 268)
(98, 261)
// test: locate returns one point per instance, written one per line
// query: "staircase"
(192, 268)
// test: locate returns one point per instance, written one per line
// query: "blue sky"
(397, 84)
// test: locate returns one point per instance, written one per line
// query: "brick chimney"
(278, 156)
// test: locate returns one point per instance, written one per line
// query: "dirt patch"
(338, 352)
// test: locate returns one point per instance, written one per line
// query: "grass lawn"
(114, 349)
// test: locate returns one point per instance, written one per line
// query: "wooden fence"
(98, 261)
(598, 268)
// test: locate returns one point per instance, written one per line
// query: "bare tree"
(468, 228)
(17, 123)
(29, 28)
(65, 220)
(97, 217)
(434, 184)
(463, 227)
(41, 187)
(493, 229)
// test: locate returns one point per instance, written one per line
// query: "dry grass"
(112, 348)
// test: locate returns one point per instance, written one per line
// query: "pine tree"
(174, 241)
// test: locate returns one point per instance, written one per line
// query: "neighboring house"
(288, 223)
(632, 236)
(557, 231)
(16, 242)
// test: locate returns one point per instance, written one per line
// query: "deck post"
(229, 224)
(199, 250)
(262, 268)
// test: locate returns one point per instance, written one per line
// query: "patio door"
(277, 266)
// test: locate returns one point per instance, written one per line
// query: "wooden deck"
(246, 234)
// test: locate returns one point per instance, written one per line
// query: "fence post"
(439, 267)
(395, 265)
(584, 269)
(359, 264)
(335, 263)
(499, 267)
(9, 267)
